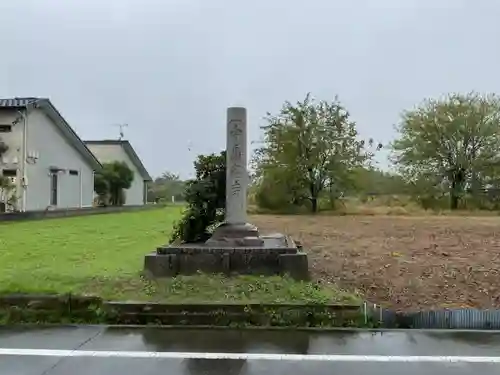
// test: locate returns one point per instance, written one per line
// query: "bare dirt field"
(405, 263)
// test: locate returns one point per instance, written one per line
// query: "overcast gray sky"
(169, 68)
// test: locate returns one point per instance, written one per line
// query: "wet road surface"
(133, 351)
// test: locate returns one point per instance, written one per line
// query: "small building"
(47, 163)
(108, 151)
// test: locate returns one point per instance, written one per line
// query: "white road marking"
(246, 356)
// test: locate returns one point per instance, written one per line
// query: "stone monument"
(236, 246)
(236, 230)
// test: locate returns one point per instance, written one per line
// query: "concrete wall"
(54, 150)
(72, 212)
(107, 153)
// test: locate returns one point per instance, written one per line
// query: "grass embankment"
(103, 255)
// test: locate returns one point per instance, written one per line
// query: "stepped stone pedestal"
(236, 246)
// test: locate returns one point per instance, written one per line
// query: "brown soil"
(406, 263)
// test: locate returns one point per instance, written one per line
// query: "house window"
(53, 189)
(73, 172)
(9, 172)
(5, 128)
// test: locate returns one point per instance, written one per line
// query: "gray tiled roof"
(17, 102)
(46, 106)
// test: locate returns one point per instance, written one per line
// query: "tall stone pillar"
(236, 231)
(236, 166)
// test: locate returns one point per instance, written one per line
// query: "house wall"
(106, 153)
(14, 140)
(54, 150)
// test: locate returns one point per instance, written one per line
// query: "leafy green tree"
(165, 187)
(277, 190)
(310, 146)
(451, 143)
(206, 199)
(110, 183)
(368, 180)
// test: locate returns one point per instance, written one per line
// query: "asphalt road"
(101, 350)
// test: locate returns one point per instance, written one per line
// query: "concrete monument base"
(228, 235)
(276, 255)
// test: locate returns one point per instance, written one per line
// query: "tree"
(277, 190)
(453, 143)
(165, 187)
(206, 199)
(110, 183)
(310, 146)
(373, 181)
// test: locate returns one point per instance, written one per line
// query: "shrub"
(206, 200)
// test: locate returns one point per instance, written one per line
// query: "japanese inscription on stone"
(237, 176)
(236, 168)
(236, 133)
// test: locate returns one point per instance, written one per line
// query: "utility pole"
(122, 134)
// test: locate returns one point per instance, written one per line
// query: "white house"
(108, 151)
(46, 161)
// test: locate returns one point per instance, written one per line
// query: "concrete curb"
(66, 213)
(73, 310)
(228, 328)
(68, 309)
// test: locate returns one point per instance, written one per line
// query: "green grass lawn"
(103, 255)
